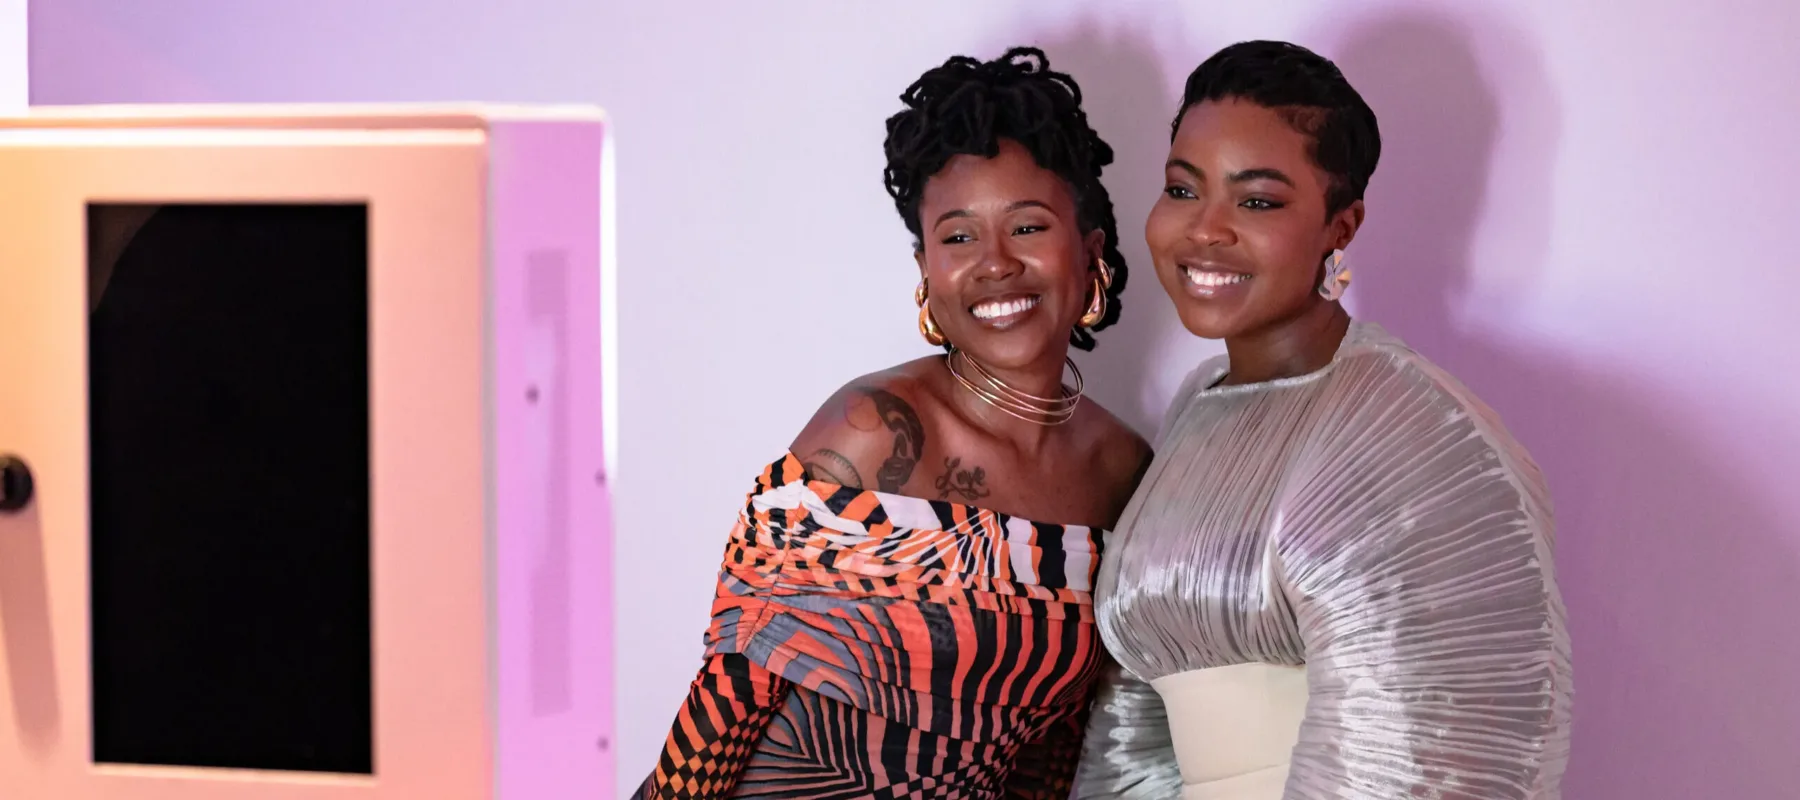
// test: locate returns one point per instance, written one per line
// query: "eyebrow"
(1241, 176)
(963, 212)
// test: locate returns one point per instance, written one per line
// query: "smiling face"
(1008, 268)
(1241, 230)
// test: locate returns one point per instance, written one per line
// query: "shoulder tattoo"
(832, 466)
(909, 440)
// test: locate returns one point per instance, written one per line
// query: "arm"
(730, 703)
(1420, 569)
(1045, 769)
(866, 436)
(861, 430)
(1128, 753)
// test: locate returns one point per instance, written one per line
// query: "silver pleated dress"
(1331, 587)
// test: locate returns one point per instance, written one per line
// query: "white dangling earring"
(1337, 277)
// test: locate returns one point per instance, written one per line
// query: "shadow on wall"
(1129, 101)
(1677, 587)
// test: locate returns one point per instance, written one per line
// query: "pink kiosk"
(303, 487)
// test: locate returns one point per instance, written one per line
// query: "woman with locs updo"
(904, 607)
(1336, 580)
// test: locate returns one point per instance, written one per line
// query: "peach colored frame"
(433, 737)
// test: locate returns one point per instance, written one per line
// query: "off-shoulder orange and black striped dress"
(870, 645)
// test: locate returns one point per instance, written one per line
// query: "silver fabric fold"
(1127, 753)
(1374, 521)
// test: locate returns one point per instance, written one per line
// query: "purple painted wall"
(1585, 213)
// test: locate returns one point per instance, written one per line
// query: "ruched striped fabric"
(874, 645)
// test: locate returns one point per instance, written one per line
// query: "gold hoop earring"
(1096, 309)
(927, 326)
(1106, 272)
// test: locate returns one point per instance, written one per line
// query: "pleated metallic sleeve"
(1128, 754)
(1376, 523)
(1418, 560)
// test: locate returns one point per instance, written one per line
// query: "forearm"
(730, 702)
(1045, 769)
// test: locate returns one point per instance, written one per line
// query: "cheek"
(1059, 258)
(1073, 275)
(1286, 251)
(1162, 229)
(944, 277)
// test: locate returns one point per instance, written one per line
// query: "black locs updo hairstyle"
(965, 107)
(1312, 95)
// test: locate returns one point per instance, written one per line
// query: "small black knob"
(15, 483)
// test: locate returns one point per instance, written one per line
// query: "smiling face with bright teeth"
(1007, 266)
(1240, 232)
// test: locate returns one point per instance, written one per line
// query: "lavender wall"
(1587, 214)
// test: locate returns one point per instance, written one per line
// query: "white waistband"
(1234, 728)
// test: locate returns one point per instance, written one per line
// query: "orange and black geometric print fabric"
(865, 644)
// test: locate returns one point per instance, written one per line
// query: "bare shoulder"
(1121, 453)
(869, 434)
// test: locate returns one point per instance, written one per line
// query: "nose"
(1211, 226)
(998, 262)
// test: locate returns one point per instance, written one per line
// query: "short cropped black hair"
(1314, 97)
(966, 107)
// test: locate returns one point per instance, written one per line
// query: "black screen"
(229, 434)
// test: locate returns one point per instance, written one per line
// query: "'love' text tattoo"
(969, 484)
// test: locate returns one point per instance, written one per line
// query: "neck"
(1042, 378)
(1297, 346)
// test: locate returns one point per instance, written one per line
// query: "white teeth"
(1204, 278)
(996, 309)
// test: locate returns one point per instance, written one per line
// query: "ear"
(919, 258)
(1345, 225)
(1095, 244)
